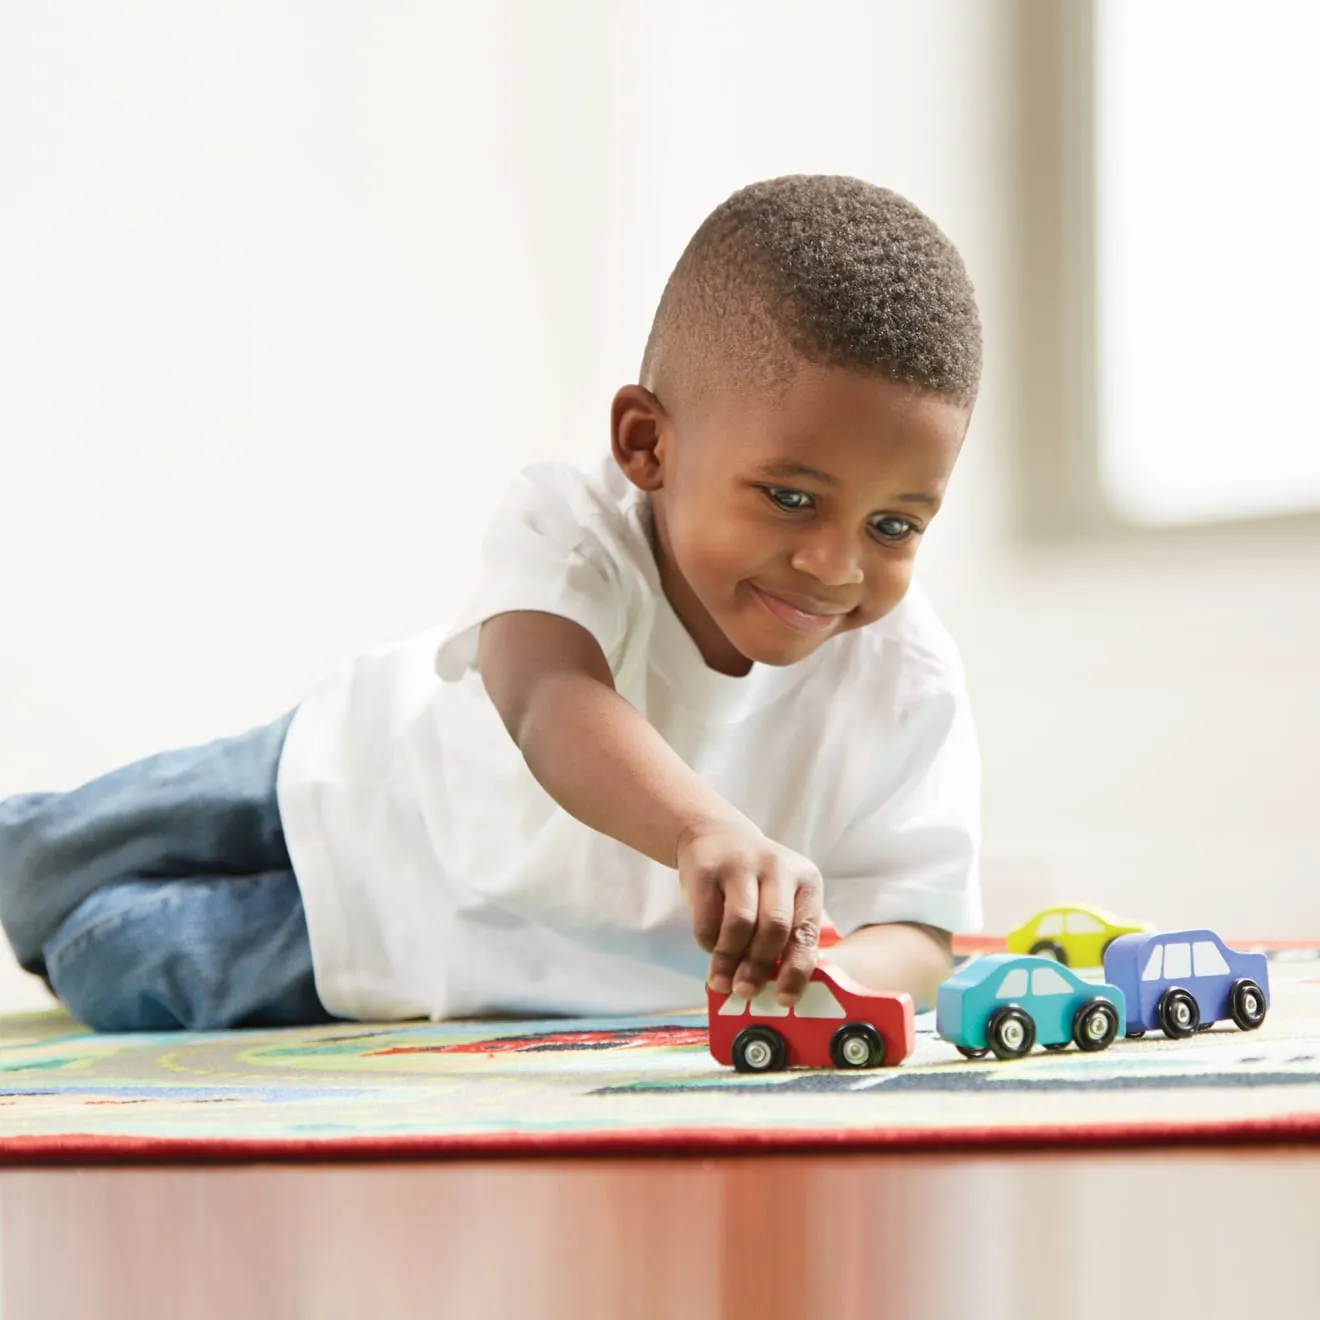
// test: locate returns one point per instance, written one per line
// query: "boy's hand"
(753, 903)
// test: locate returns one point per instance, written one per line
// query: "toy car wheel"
(1135, 1033)
(969, 1052)
(1011, 1033)
(1095, 1026)
(759, 1049)
(1247, 1005)
(1055, 1046)
(1048, 949)
(1179, 1015)
(857, 1045)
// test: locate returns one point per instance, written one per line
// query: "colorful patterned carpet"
(635, 1085)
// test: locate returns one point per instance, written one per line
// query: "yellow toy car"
(1074, 936)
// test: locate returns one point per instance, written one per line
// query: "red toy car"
(836, 1024)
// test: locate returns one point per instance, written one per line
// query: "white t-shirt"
(440, 879)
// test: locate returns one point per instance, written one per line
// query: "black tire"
(1056, 1046)
(1135, 1033)
(968, 1052)
(759, 1050)
(1048, 949)
(857, 1045)
(1247, 1005)
(1011, 1033)
(1179, 1016)
(1095, 1025)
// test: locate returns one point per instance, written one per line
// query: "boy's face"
(785, 519)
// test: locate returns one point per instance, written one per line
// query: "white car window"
(1177, 961)
(733, 1006)
(1014, 985)
(1051, 925)
(766, 1005)
(1046, 981)
(1152, 969)
(819, 1001)
(1207, 960)
(1079, 923)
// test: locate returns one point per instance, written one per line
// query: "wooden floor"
(1002, 1237)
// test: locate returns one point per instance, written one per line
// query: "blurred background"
(289, 290)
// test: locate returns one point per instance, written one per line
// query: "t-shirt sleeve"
(914, 854)
(547, 550)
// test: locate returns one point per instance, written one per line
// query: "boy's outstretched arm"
(900, 956)
(752, 900)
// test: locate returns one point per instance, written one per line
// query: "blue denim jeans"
(161, 896)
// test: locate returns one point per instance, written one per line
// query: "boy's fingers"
(707, 912)
(799, 961)
(774, 917)
(774, 920)
(803, 947)
(737, 922)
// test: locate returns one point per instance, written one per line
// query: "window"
(1046, 981)
(819, 1001)
(1207, 269)
(733, 1006)
(1207, 959)
(766, 1005)
(1177, 961)
(1080, 924)
(1014, 985)
(1152, 969)
(1050, 925)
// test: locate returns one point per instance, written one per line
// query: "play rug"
(627, 1085)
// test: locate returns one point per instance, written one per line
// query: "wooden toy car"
(1183, 981)
(1006, 1002)
(837, 1023)
(1074, 936)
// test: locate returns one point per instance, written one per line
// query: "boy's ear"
(637, 423)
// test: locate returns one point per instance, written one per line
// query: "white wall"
(287, 290)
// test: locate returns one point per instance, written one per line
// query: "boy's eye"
(790, 500)
(891, 527)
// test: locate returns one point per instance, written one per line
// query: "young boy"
(701, 655)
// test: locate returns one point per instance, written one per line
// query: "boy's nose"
(832, 560)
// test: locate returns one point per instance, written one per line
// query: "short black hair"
(819, 268)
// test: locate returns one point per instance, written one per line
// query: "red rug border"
(101, 1150)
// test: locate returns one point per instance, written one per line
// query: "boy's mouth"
(799, 614)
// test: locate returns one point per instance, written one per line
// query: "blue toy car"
(1006, 1002)
(1185, 980)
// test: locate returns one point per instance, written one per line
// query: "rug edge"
(89, 1149)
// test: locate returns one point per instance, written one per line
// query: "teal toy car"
(1007, 1002)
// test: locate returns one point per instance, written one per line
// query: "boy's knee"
(111, 967)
